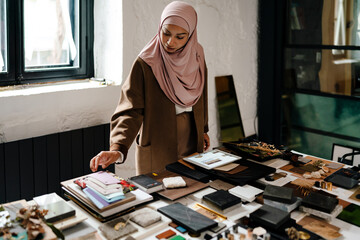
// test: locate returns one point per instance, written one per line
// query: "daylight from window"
(51, 34)
(3, 37)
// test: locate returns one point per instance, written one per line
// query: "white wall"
(37, 111)
(227, 30)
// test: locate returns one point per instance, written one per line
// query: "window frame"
(16, 74)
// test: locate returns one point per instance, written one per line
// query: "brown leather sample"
(320, 227)
(167, 234)
(219, 184)
(238, 169)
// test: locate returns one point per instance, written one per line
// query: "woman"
(163, 102)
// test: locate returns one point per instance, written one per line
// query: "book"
(102, 190)
(92, 212)
(146, 183)
(212, 159)
(111, 197)
(96, 199)
(76, 190)
(280, 194)
(131, 199)
(222, 201)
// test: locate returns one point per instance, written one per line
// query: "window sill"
(31, 89)
(31, 111)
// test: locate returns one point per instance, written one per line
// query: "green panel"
(335, 115)
(315, 144)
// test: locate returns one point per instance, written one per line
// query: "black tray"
(257, 155)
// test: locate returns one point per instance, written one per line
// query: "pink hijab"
(180, 74)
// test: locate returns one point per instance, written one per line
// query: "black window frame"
(16, 74)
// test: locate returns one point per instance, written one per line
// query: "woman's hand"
(206, 142)
(104, 159)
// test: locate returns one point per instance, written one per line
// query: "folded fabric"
(174, 182)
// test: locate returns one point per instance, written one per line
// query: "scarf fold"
(180, 74)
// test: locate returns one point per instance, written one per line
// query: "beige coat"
(146, 113)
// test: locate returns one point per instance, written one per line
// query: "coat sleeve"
(206, 116)
(128, 116)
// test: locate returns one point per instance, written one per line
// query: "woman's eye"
(166, 34)
(180, 38)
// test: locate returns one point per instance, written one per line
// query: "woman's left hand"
(206, 142)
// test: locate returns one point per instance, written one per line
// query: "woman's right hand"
(104, 159)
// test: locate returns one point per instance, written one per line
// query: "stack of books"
(104, 195)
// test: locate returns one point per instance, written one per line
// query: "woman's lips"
(169, 48)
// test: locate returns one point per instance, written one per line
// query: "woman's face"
(173, 37)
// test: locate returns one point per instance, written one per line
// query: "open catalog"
(212, 159)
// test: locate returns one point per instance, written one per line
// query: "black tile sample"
(270, 217)
(279, 194)
(221, 199)
(187, 218)
(344, 182)
(320, 202)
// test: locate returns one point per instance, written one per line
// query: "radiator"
(36, 166)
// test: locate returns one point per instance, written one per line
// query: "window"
(309, 71)
(320, 96)
(50, 40)
(3, 37)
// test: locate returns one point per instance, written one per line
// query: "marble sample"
(187, 218)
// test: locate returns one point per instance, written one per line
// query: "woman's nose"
(170, 41)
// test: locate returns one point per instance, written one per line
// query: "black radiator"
(36, 166)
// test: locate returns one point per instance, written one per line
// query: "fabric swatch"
(145, 217)
(111, 234)
(174, 182)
